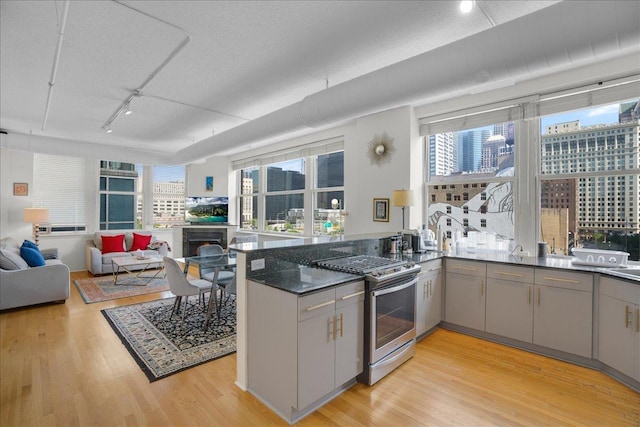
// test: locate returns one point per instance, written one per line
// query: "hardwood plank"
(63, 365)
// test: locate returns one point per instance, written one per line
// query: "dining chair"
(180, 286)
(229, 290)
(208, 273)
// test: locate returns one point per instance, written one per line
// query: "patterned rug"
(98, 289)
(163, 347)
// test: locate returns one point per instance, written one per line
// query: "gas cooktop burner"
(361, 264)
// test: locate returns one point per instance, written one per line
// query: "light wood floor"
(62, 365)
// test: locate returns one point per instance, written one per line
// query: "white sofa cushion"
(11, 260)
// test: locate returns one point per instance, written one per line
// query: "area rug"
(98, 289)
(163, 347)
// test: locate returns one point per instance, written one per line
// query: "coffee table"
(125, 264)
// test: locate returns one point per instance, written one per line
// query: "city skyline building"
(608, 201)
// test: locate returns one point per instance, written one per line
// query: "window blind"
(313, 149)
(471, 118)
(599, 93)
(59, 184)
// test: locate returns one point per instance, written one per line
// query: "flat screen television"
(206, 210)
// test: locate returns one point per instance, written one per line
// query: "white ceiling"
(244, 59)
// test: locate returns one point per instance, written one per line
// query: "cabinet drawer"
(316, 304)
(564, 279)
(620, 290)
(512, 273)
(431, 266)
(350, 293)
(469, 268)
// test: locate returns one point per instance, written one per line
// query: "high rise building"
(629, 111)
(607, 202)
(443, 159)
(470, 149)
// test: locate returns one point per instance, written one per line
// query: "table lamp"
(402, 198)
(36, 216)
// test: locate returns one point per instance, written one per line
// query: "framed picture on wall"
(20, 189)
(381, 210)
(208, 183)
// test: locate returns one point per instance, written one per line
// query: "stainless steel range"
(390, 324)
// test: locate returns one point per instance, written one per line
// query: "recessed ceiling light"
(109, 130)
(466, 6)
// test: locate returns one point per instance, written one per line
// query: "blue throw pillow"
(30, 244)
(33, 257)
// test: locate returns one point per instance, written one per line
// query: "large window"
(590, 178)
(168, 196)
(284, 200)
(118, 184)
(59, 185)
(470, 181)
(302, 195)
(64, 184)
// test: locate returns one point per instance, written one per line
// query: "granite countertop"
(300, 279)
(290, 272)
(630, 272)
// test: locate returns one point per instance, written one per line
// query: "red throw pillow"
(113, 243)
(140, 241)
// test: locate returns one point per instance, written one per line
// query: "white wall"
(364, 181)
(223, 181)
(15, 167)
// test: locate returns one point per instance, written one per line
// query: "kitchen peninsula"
(280, 274)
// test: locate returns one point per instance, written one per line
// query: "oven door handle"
(394, 288)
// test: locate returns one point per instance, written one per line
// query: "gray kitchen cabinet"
(510, 292)
(563, 311)
(329, 341)
(465, 291)
(302, 350)
(349, 332)
(619, 326)
(429, 296)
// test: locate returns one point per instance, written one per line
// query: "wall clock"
(380, 149)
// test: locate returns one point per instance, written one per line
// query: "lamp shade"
(402, 198)
(36, 215)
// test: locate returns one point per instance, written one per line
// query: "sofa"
(22, 285)
(106, 245)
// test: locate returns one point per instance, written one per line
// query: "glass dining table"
(218, 263)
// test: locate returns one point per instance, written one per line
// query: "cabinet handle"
(332, 328)
(341, 325)
(558, 279)
(464, 268)
(507, 273)
(529, 296)
(627, 316)
(538, 296)
(425, 294)
(317, 306)
(430, 289)
(435, 269)
(355, 294)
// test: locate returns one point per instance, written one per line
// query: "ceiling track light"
(125, 108)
